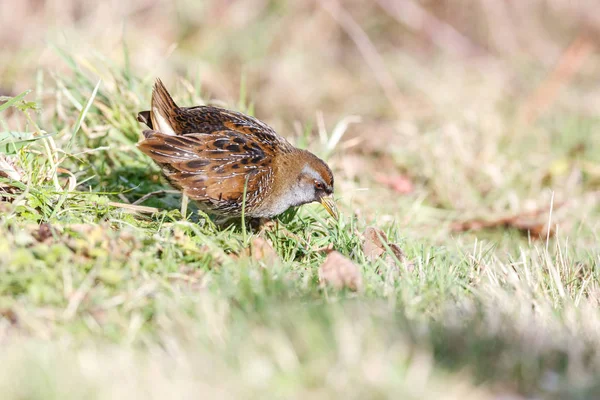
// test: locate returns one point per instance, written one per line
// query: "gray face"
(309, 187)
(309, 178)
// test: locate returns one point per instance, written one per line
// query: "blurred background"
(467, 105)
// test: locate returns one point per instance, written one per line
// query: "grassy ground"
(105, 299)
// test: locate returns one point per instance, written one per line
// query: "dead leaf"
(339, 272)
(399, 254)
(9, 315)
(374, 246)
(43, 233)
(9, 169)
(533, 223)
(261, 250)
(398, 183)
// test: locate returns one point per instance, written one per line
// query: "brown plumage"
(211, 154)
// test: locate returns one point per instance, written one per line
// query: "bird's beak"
(330, 206)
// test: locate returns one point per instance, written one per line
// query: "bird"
(230, 163)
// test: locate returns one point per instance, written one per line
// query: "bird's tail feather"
(163, 110)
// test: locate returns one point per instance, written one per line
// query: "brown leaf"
(533, 223)
(9, 169)
(398, 183)
(9, 315)
(261, 250)
(374, 246)
(398, 253)
(340, 272)
(43, 233)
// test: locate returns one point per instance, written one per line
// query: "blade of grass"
(244, 233)
(82, 115)
(13, 100)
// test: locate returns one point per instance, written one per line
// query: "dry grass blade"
(72, 179)
(134, 208)
(546, 93)
(367, 49)
(441, 34)
(155, 193)
(339, 130)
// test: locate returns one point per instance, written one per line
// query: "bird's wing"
(213, 167)
(207, 119)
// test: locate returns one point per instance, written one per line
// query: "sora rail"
(214, 155)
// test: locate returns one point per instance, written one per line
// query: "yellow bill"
(330, 206)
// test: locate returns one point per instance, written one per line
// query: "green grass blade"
(10, 142)
(13, 100)
(82, 114)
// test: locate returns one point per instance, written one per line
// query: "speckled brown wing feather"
(190, 120)
(212, 168)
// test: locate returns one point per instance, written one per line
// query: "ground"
(464, 263)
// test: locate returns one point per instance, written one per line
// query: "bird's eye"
(319, 185)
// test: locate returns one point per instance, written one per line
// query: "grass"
(105, 300)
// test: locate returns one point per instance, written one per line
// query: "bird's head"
(312, 182)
